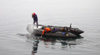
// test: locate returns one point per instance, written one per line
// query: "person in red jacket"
(35, 18)
(46, 29)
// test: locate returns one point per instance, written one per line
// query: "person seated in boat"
(63, 29)
(46, 30)
(53, 29)
(35, 18)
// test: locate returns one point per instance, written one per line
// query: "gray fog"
(15, 15)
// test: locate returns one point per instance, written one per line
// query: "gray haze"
(16, 14)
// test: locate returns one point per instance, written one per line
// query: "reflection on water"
(53, 42)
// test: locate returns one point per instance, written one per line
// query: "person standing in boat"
(35, 18)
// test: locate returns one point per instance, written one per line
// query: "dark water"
(15, 15)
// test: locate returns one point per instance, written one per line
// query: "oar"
(70, 27)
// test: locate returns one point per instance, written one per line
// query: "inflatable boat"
(59, 32)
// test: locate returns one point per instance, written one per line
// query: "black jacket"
(35, 18)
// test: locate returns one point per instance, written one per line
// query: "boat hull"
(38, 32)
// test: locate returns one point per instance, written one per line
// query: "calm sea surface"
(15, 15)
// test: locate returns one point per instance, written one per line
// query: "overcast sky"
(49, 8)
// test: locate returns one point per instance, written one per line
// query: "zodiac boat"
(61, 32)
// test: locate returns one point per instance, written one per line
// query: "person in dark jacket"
(35, 18)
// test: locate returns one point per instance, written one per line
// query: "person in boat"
(35, 18)
(45, 30)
